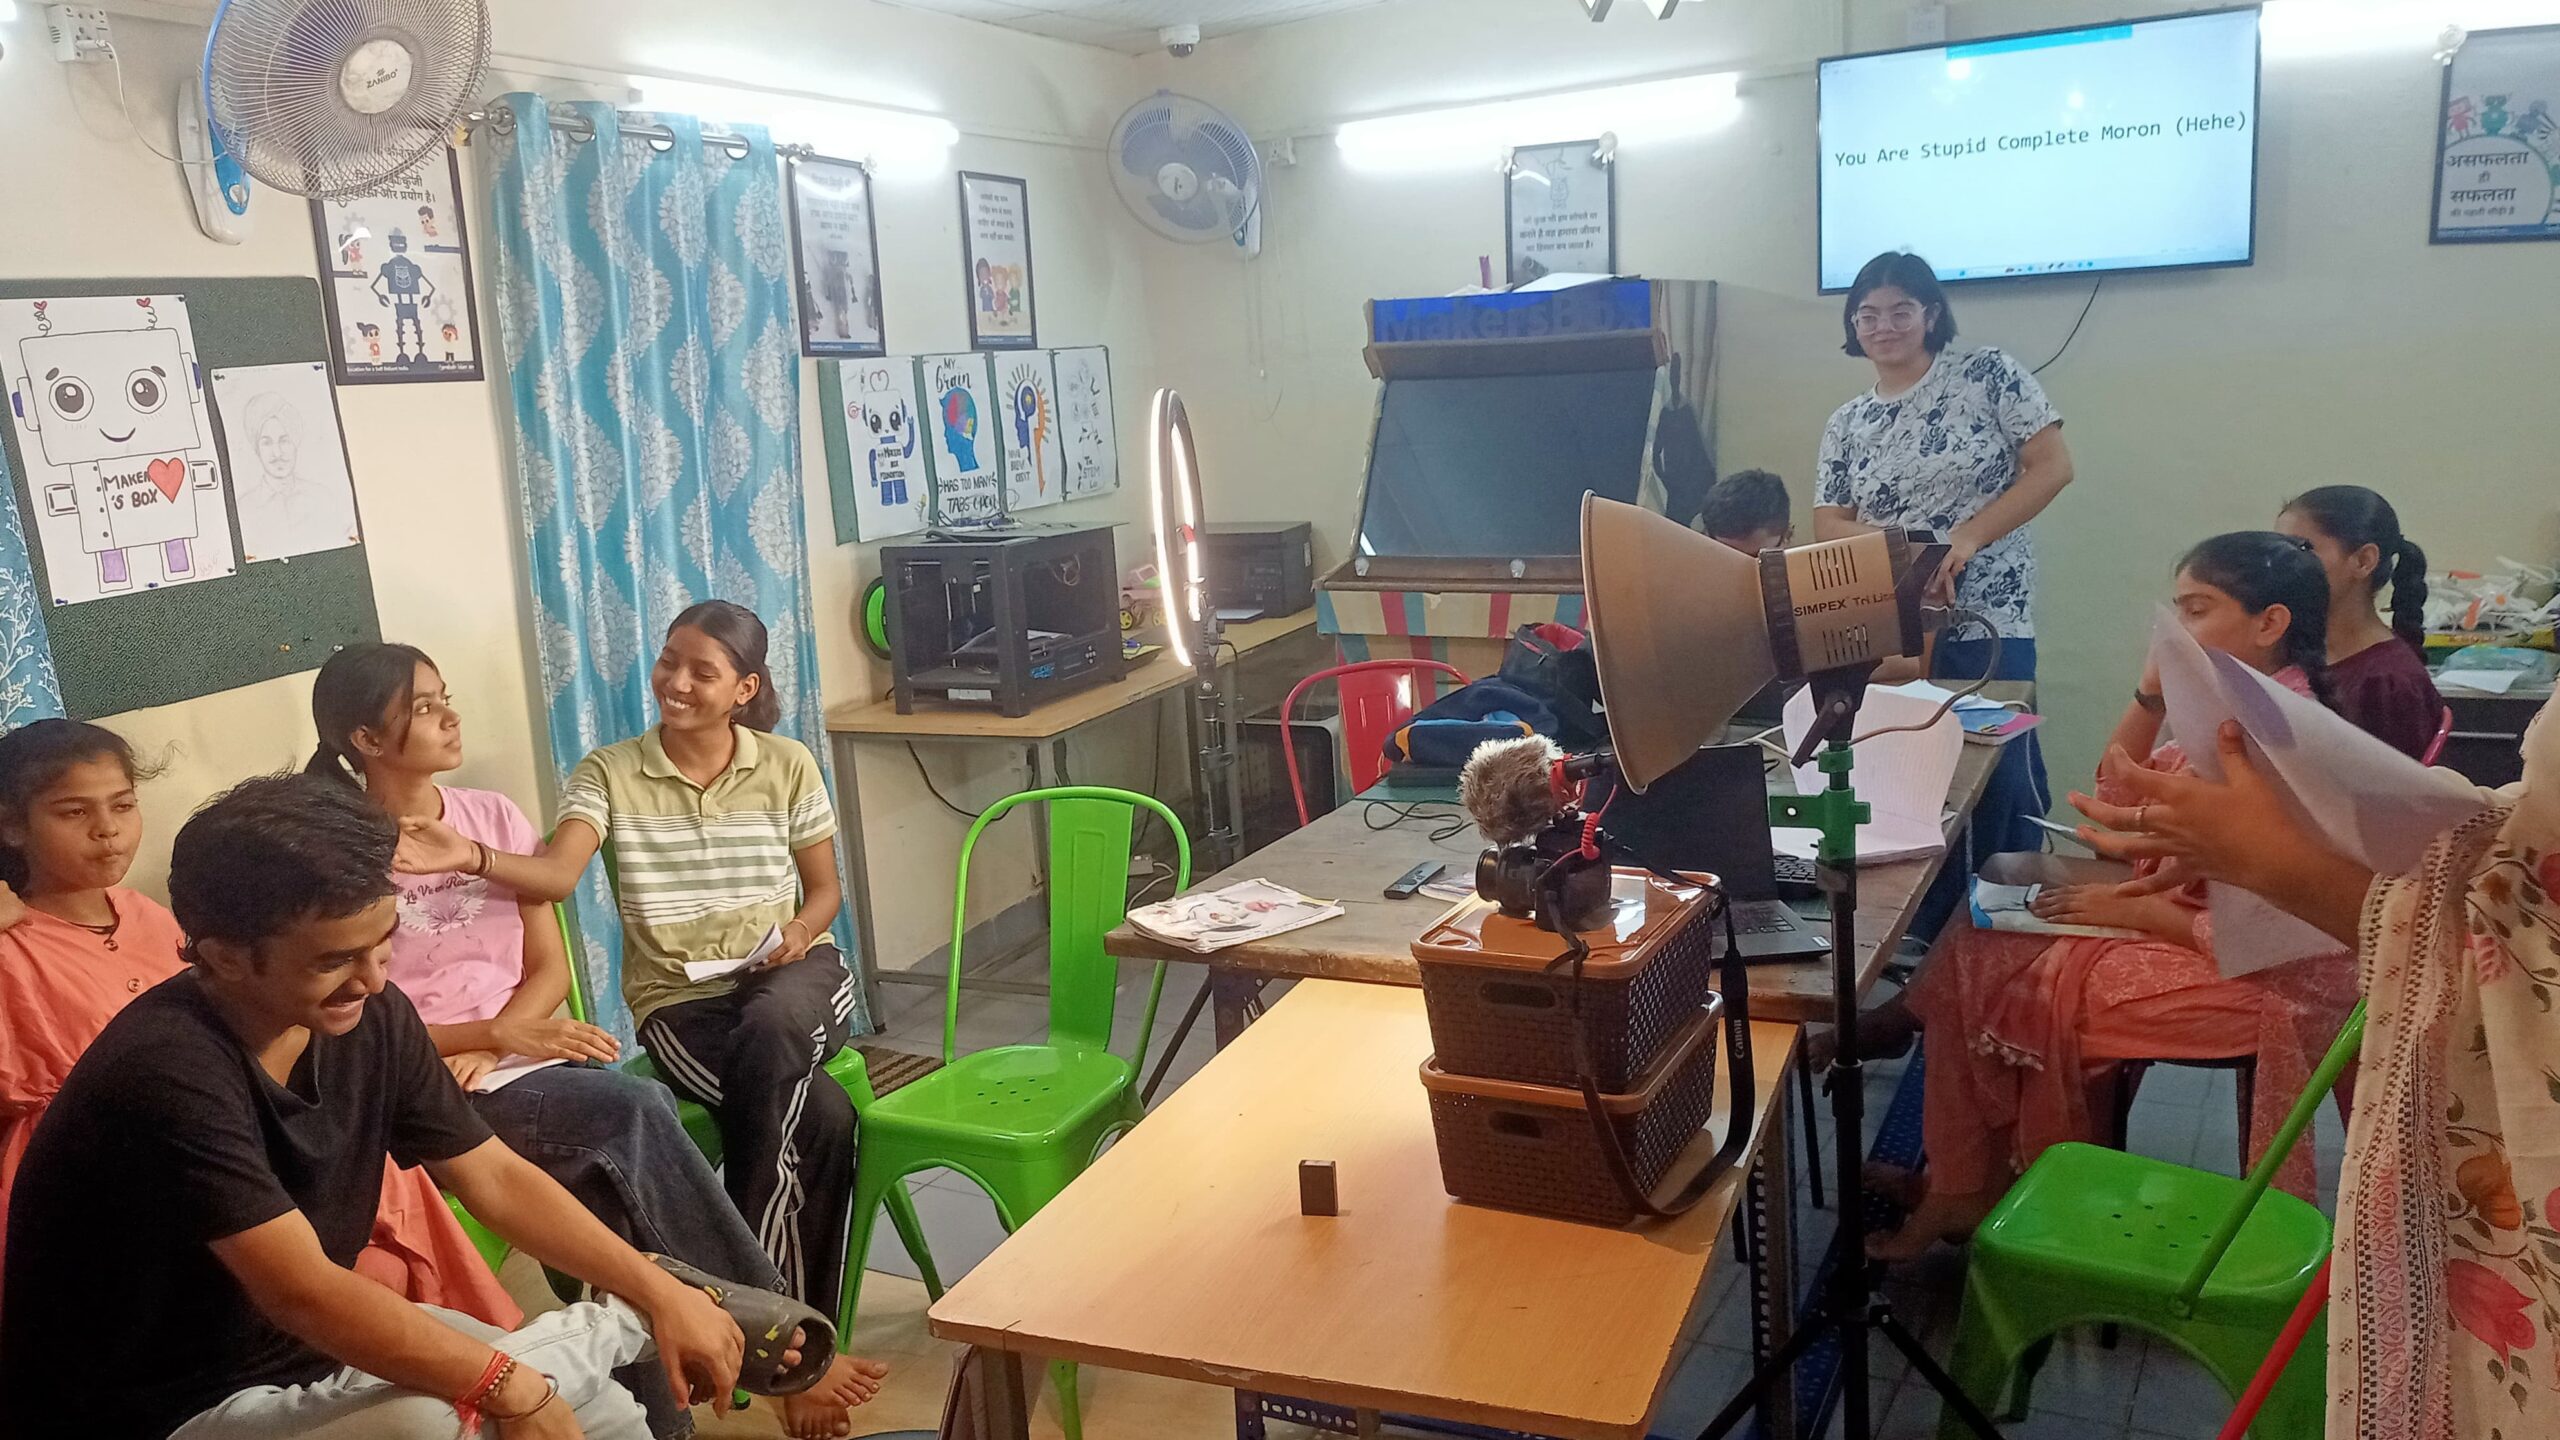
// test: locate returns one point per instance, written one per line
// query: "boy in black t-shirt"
(182, 1228)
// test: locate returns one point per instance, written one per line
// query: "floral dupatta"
(2444, 1315)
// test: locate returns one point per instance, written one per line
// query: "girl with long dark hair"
(2378, 666)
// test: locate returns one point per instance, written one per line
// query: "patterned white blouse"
(1934, 455)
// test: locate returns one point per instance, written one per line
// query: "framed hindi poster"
(396, 277)
(2498, 139)
(1560, 211)
(835, 257)
(995, 230)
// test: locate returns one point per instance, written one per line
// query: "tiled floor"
(2137, 1391)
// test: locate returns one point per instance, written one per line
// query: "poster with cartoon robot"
(964, 428)
(885, 439)
(1085, 421)
(124, 484)
(1035, 466)
(396, 266)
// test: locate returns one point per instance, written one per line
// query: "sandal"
(767, 1320)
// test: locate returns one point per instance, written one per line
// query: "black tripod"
(1851, 1307)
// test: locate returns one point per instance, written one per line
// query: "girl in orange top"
(76, 946)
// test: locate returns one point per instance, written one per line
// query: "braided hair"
(2356, 517)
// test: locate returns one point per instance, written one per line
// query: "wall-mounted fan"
(331, 98)
(1186, 170)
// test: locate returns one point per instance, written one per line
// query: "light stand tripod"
(1216, 774)
(1850, 1307)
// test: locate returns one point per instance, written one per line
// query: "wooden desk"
(851, 724)
(1340, 858)
(1182, 1252)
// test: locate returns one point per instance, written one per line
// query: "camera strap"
(1734, 987)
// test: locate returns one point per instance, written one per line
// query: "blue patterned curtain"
(644, 303)
(27, 687)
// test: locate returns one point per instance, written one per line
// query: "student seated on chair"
(486, 970)
(76, 947)
(722, 834)
(183, 1225)
(1749, 511)
(2020, 1026)
(2379, 667)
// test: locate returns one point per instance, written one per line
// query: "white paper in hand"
(509, 1071)
(1904, 777)
(712, 969)
(2373, 803)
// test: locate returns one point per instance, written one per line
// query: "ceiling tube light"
(2306, 29)
(1648, 111)
(896, 142)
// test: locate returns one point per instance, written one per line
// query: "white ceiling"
(1130, 26)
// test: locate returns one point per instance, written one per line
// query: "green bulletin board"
(270, 618)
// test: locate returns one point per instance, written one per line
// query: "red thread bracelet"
(468, 1407)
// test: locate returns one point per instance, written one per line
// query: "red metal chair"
(1377, 696)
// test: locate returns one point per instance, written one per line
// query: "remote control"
(1410, 883)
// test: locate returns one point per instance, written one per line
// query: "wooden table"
(1042, 734)
(1182, 1252)
(1341, 858)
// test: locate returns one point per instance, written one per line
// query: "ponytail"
(735, 629)
(2262, 569)
(2356, 517)
(2409, 595)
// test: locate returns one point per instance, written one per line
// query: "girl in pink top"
(76, 946)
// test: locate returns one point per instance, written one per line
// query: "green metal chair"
(1022, 1121)
(2092, 1236)
(846, 1069)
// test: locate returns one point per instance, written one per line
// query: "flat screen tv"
(2131, 146)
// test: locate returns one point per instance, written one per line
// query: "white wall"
(2352, 351)
(431, 460)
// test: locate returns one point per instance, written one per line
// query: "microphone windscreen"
(1506, 790)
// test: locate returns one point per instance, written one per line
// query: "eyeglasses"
(1900, 317)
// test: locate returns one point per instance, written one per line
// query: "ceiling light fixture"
(1641, 113)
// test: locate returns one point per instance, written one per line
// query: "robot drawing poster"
(1035, 466)
(884, 436)
(1085, 426)
(396, 269)
(123, 482)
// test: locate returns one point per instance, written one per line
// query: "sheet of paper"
(2009, 907)
(110, 411)
(1086, 428)
(2486, 682)
(289, 477)
(2372, 802)
(1035, 461)
(1212, 920)
(508, 1072)
(713, 969)
(1904, 776)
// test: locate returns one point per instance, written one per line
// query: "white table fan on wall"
(1187, 171)
(324, 98)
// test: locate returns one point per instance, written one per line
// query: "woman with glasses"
(1965, 445)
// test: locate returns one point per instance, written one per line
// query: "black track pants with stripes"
(757, 1056)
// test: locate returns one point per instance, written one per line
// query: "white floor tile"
(959, 1225)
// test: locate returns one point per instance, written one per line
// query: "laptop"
(1712, 813)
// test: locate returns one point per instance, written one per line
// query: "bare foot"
(824, 1411)
(1937, 1217)
(1897, 1185)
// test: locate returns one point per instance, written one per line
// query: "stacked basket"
(1505, 1078)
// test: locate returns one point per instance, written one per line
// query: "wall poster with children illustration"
(396, 271)
(995, 227)
(123, 482)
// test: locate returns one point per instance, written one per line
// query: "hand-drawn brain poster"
(1035, 465)
(964, 428)
(123, 480)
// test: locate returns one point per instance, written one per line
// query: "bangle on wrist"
(472, 1404)
(481, 859)
(550, 1392)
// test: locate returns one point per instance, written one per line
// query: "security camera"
(1179, 40)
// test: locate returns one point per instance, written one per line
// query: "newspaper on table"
(1248, 910)
(2376, 805)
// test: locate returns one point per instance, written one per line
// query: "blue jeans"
(613, 1141)
(2017, 787)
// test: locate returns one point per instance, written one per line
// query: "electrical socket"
(80, 33)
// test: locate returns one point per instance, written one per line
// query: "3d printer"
(1002, 621)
